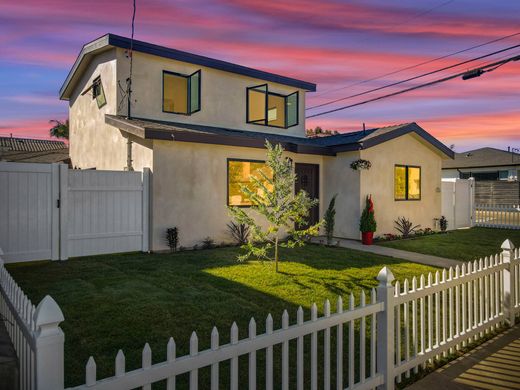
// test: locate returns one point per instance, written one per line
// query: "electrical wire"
(492, 67)
(418, 65)
(411, 78)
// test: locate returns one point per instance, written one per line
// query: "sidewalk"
(391, 252)
(492, 365)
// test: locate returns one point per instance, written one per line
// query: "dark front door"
(307, 179)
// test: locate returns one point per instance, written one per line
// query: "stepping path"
(494, 365)
(398, 253)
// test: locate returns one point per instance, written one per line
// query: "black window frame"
(227, 177)
(406, 198)
(188, 92)
(267, 93)
(97, 89)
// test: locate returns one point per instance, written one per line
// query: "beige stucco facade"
(378, 181)
(223, 94)
(189, 180)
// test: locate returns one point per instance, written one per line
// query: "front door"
(307, 179)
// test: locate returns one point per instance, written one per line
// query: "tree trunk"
(276, 254)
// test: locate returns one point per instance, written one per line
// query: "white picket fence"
(498, 216)
(52, 212)
(398, 331)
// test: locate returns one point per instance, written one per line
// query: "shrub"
(329, 219)
(405, 226)
(443, 223)
(239, 232)
(368, 221)
(208, 243)
(172, 238)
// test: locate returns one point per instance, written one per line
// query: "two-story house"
(200, 125)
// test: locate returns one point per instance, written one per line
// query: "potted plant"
(367, 224)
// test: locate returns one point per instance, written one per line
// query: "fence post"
(64, 231)
(509, 281)
(48, 348)
(146, 210)
(385, 328)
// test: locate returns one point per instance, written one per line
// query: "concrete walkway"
(493, 365)
(398, 253)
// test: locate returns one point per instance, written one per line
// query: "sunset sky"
(334, 44)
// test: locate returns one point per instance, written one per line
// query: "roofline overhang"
(111, 41)
(485, 166)
(180, 135)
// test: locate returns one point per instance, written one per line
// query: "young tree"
(273, 200)
(60, 129)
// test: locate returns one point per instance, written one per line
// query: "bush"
(208, 243)
(368, 221)
(239, 232)
(329, 219)
(405, 227)
(172, 238)
(443, 223)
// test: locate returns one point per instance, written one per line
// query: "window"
(407, 182)
(98, 92)
(240, 173)
(181, 93)
(503, 175)
(271, 109)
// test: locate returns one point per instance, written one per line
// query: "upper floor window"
(271, 109)
(98, 92)
(181, 93)
(407, 182)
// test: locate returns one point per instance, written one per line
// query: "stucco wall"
(379, 181)
(223, 94)
(190, 189)
(340, 179)
(94, 144)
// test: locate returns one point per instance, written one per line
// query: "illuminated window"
(98, 92)
(240, 173)
(181, 93)
(271, 109)
(407, 182)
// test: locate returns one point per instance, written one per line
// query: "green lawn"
(122, 301)
(467, 244)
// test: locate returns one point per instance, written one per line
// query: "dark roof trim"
(161, 51)
(411, 127)
(150, 129)
(178, 134)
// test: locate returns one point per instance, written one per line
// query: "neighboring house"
(33, 150)
(483, 164)
(200, 125)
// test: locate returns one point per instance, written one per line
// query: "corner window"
(98, 92)
(181, 93)
(271, 109)
(407, 182)
(240, 173)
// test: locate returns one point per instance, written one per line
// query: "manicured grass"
(467, 244)
(122, 301)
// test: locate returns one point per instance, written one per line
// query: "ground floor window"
(407, 182)
(240, 173)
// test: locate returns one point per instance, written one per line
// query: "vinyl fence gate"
(51, 212)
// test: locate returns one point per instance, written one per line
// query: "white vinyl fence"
(376, 343)
(498, 216)
(458, 201)
(52, 212)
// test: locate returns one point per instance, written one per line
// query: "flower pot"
(367, 238)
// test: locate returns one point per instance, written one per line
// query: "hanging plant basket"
(360, 164)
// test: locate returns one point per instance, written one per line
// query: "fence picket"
(194, 350)
(269, 355)
(147, 363)
(171, 355)
(314, 350)
(252, 357)
(234, 360)
(299, 351)
(215, 366)
(339, 346)
(351, 353)
(326, 348)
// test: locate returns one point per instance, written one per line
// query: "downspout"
(129, 160)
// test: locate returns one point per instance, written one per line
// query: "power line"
(417, 65)
(483, 69)
(411, 78)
